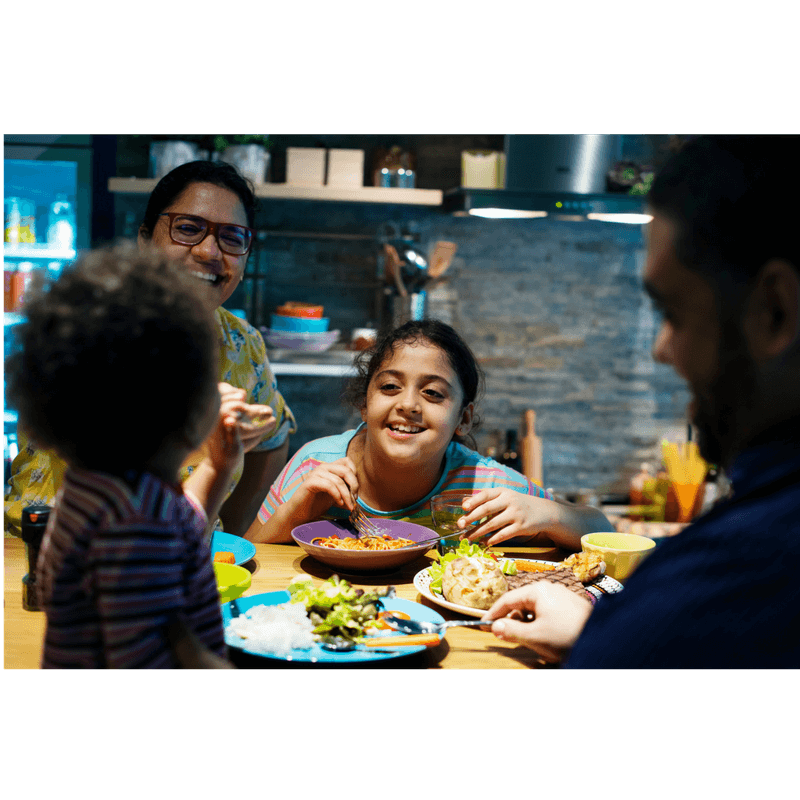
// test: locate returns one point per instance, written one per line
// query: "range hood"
(560, 175)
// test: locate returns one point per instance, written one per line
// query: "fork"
(361, 522)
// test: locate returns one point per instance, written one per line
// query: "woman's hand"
(253, 420)
(511, 514)
(559, 616)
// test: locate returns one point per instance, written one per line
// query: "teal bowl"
(298, 324)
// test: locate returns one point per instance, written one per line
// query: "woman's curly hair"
(116, 357)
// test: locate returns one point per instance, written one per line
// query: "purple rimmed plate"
(363, 560)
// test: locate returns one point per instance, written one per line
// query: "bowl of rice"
(347, 559)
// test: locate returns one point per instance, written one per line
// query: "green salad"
(470, 550)
(336, 608)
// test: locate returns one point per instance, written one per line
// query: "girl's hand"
(510, 514)
(326, 484)
(514, 514)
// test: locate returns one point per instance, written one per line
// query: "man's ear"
(771, 321)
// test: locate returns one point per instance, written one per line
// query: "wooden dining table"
(273, 568)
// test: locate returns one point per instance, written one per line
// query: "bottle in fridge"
(61, 224)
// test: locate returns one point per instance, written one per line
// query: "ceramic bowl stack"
(300, 326)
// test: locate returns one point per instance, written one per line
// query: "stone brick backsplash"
(553, 309)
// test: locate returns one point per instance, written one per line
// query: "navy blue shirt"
(724, 593)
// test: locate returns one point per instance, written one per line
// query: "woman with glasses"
(202, 215)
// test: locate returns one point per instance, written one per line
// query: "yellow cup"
(232, 581)
(622, 552)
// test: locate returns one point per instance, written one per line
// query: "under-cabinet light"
(505, 213)
(629, 219)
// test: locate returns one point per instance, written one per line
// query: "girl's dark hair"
(431, 331)
(116, 358)
(174, 183)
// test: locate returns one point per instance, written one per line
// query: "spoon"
(338, 644)
(420, 626)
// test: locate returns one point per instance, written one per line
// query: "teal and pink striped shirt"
(465, 472)
(118, 562)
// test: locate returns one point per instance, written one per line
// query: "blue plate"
(317, 653)
(242, 549)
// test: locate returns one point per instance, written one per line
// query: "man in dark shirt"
(723, 267)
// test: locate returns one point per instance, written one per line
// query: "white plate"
(422, 582)
(304, 342)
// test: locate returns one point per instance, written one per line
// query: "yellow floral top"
(36, 475)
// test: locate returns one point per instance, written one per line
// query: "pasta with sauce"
(384, 542)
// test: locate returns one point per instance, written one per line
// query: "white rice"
(272, 629)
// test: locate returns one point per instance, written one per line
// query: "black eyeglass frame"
(210, 228)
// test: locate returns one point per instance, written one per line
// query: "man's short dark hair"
(734, 201)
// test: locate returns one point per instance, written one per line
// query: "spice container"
(642, 489)
(34, 522)
(19, 226)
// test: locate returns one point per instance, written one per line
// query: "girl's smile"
(413, 407)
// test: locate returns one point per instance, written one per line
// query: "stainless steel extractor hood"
(561, 175)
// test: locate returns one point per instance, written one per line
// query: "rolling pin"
(531, 448)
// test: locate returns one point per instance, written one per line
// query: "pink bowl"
(363, 560)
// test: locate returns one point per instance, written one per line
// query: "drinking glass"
(445, 511)
(686, 494)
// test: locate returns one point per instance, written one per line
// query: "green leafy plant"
(210, 141)
(221, 142)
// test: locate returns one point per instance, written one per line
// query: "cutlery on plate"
(338, 644)
(421, 627)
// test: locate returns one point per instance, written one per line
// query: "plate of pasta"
(337, 544)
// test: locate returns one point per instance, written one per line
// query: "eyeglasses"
(189, 230)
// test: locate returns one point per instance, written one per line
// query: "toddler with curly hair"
(125, 572)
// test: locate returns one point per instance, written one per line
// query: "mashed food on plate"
(272, 629)
(473, 581)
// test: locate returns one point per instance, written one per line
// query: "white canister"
(252, 161)
(345, 168)
(483, 169)
(305, 166)
(165, 156)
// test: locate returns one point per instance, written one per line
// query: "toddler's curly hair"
(116, 359)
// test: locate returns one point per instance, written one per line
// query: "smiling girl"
(416, 391)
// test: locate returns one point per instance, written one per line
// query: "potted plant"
(249, 153)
